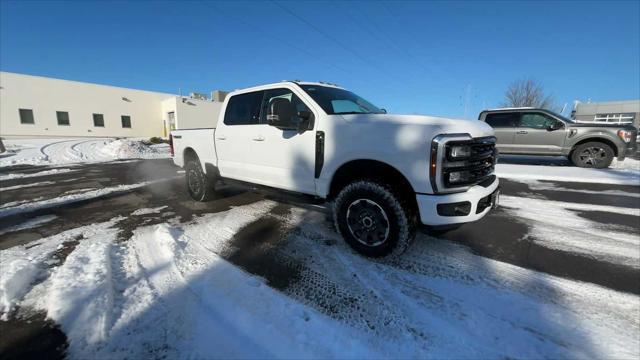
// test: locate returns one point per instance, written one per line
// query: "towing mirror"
(306, 120)
(282, 123)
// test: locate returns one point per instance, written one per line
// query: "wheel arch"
(373, 170)
(189, 154)
(603, 140)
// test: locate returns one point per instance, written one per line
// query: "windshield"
(340, 101)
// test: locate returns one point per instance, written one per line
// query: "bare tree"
(527, 92)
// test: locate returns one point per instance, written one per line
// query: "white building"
(35, 106)
(627, 111)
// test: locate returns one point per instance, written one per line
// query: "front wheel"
(373, 220)
(592, 155)
(200, 187)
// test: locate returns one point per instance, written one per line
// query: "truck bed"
(199, 140)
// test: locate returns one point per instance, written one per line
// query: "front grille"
(476, 168)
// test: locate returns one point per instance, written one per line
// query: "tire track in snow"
(44, 149)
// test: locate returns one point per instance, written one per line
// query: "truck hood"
(440, 125)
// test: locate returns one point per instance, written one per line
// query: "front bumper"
(428, 205)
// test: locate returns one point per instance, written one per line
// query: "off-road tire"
(199, 186)
(397, 212)
(601, 155)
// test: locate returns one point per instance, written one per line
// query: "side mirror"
(554, 126)
(301, 121)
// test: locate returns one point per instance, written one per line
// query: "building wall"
(193, 114)
(148, 110)
(588, 111)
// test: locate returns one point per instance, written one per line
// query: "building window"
(26, 116)
(98, 120)
(126, 121)
(615, 118)
(63, 117)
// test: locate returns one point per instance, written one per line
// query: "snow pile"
(65, 151)
(81, 291)
(37, 174)
(621, 174)
(31, 223)
(146, 211)
(557, 225)
(15, 187)
(134, 149)
(626, 164)
(35, 204)
(23, 265)
(167, 293)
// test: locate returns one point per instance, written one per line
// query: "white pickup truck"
(384, 174)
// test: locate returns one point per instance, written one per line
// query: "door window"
(281, 103)
(244, 109)
(536, 121)
(501, 120)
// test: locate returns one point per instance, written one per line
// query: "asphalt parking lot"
(509, 234)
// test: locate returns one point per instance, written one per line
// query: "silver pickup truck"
(531, 131)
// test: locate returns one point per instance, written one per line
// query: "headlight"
(459, 151)
(625, 135)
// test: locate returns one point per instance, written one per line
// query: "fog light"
(459, 177)
(454, 209)
(460, 151)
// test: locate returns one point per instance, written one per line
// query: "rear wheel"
(200, 187)
(373, 219)
(592, 154)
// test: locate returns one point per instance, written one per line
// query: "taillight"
(171, 144)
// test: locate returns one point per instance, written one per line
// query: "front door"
(282, 158)
(539, 134)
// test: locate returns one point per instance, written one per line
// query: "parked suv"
(531, 131)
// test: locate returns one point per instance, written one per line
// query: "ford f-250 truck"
(383, 174)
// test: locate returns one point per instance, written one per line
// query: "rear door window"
(501, 120)
(244, 109)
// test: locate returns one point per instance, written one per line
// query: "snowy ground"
(64, 151)
(119, 258)
(626, 172)
(169, 292)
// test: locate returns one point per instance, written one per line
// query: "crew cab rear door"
(503, 124)
(539, 134)
(234, 134)
(279, 158)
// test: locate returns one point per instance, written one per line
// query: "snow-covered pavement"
(118, 256)
(626, 172)
(65, 151)
(171, 291)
